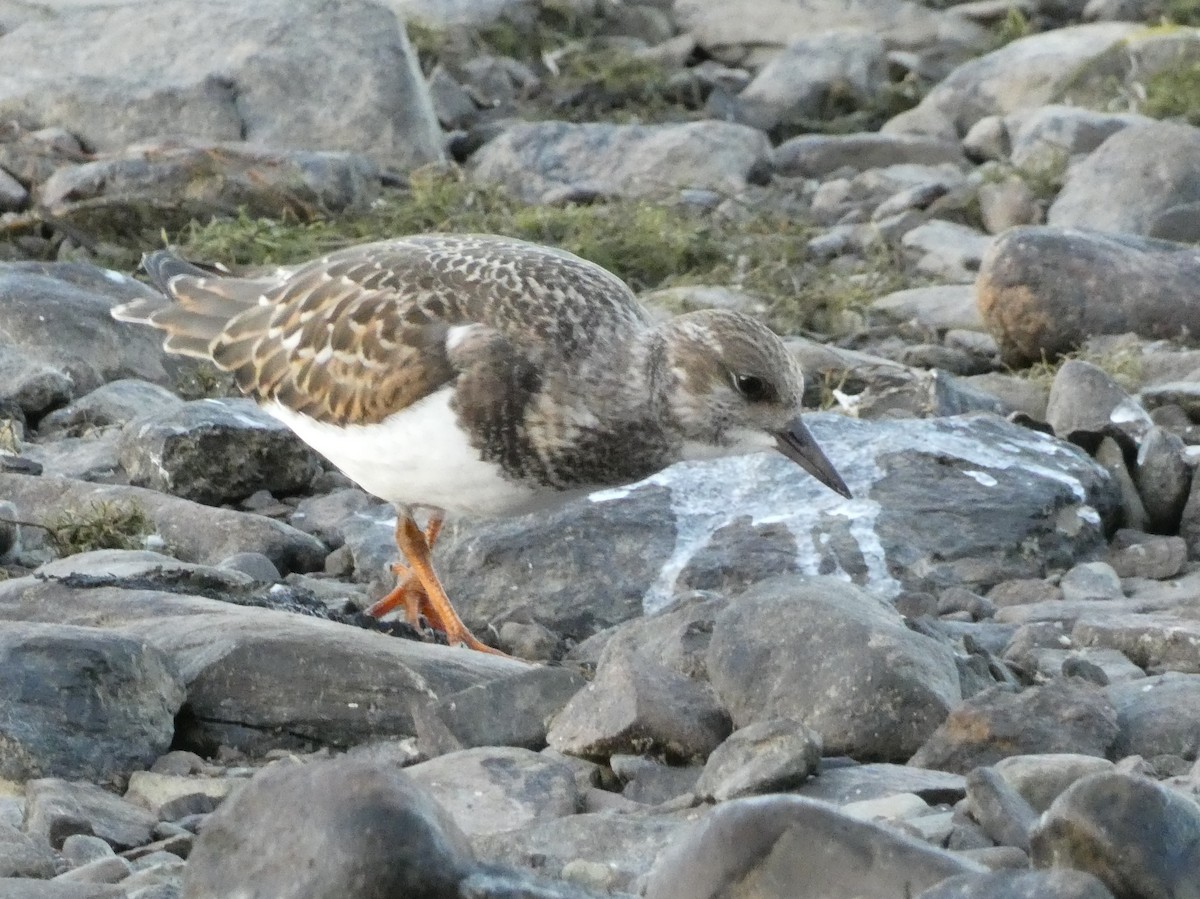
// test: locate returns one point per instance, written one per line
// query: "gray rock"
(636, 706)
(949, 251)
(57, 314)
(882, 192)
(611, 851)
(452, 103)
(81, 848)
(166, 795)
(351, 827)
(538, 159)
(1184, 394)
(1086, 403)
(113, 403)
(1153, 640)
(224, 72)
(21, 855)
(85, 703)
(1044, 290)
(1136, 554)
(816, 78)
(1024, 74)
(170, 184)
(1164, 477)
(1158, 716)
(1060, 884)
(33, 386)
(1001, 811)
(841, 783)
(765, 845)
(764, 757)
(216, 451)
(941, 307)
(676, 637)
(651, 782)
(102, 870)
(255, 565)
(94, 457)
(490, 790)
(193, 531)
(1020, 591)
(873, 689)
(819, 155)
(261, 679)
(759, 29)
(1041, 778)
(939, 501)
(14, 888)
(1131, 180)
(325, 515)
(1045, 137)
(56, 809)
(1062, 716)
(958, 600)
(1090, 580)
(512, 711)
(1137, 836)
(1007, 203)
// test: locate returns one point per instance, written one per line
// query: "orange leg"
(408, 591)
(421, 592)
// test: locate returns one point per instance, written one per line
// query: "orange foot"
(419, 590)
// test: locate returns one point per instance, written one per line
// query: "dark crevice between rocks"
(194, 733)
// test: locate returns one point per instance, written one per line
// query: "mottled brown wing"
(361, 333)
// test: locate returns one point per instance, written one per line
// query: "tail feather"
(195, 307)
(164, 265)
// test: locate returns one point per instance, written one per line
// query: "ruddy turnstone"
(481, 375)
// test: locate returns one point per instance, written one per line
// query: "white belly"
(416, 456)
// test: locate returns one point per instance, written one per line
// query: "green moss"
(1182, 12)
(102, 525)
(1174, 92)
(1012, 27)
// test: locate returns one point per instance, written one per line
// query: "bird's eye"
(752, 387)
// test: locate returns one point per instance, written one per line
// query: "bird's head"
(734, 388)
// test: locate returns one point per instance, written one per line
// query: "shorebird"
(481, 375)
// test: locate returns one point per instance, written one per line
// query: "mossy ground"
(1123, 365)
(647, 244)
(1174, 93)
(586, 74)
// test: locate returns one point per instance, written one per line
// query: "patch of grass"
(641, 242)
(595, 81)
(1174, 92)
(1045, 177)
(647, 244)
(1182, 12)
(102, 525)
(1124, 366)
(1014, 26)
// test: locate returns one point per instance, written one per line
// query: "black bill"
(798, 444)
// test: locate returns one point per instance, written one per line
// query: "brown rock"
(1043, 290)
